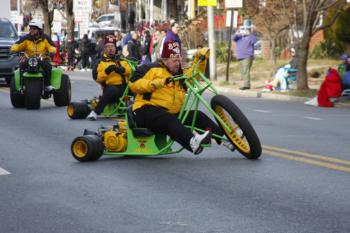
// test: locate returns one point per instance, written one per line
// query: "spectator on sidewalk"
(84, 48)
(245, 39)
(280, 81)
(56, 58)
(173, 34)
(158, 40)
(71, 47)
(344, 71)
(330, 89)
(134, 47)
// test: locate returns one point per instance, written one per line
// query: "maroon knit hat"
(110, 39)
(171, 49)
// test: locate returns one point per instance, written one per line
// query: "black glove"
(119, 69)
(110, 69)
(168, 80)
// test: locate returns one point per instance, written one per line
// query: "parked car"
(8, 62)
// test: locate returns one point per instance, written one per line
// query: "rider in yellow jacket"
(158, 100)
(112, 74)
(36, 43)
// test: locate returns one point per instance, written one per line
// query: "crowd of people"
(144, 45)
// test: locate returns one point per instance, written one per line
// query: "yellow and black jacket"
(112, 78)
(170, 97)
(34, 46)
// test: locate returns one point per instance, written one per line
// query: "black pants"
(111, 94)
(159, 121)
(85, 60)
(45, 65)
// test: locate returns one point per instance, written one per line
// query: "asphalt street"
(300, 184)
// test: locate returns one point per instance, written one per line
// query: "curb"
(260, 94)
(272, 96)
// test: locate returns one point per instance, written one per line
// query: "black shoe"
(244, 88)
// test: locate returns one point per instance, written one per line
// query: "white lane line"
(314, 118)
(259, 110)
(4, 172)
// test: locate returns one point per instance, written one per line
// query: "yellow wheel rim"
(70, 110)
(80, 149)
(240, 142)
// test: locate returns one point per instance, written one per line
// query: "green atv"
(28, 90)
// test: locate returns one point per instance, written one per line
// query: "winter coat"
(170, 97)
(113, 78)
(32, 46)
(330, 88)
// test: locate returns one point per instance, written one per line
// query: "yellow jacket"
(33, 46)
(169, 97)
(112, 78)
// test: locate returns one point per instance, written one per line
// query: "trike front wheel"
(242, 134)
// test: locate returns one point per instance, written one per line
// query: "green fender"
(56, 75)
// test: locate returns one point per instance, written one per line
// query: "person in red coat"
(330, 88)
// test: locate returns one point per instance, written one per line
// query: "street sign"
(233, 3)
(207, 2)
(228, 18)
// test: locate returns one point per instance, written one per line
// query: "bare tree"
(307, 21)
(70, 18)
(271, 18)
(47, 14)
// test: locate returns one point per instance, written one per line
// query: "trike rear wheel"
(242, 134)
(87, 148)
(78, 110)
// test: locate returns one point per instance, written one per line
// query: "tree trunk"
(70, 19)
(302, 55)
(48, 16)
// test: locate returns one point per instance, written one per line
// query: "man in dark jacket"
(84, 48)
(134, 47)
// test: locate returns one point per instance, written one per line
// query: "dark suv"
(8, 62)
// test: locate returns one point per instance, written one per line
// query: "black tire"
(32, 93)
(62, 96)
(244, 137)
(17, 99)
(87, 148)
(78, 110)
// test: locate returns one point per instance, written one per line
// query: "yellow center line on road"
(6, 90)
(309, 161)
(305, 154)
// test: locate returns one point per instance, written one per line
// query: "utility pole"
(211, 41)
(151, 13)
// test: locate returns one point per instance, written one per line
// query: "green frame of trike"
(148, 146)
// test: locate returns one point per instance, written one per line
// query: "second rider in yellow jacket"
(112, 74)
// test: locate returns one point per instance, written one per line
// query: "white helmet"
(36, 23)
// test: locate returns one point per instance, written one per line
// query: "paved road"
(300, 184)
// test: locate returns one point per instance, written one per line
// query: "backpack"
(346, 78)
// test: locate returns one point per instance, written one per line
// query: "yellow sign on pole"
(207, 2)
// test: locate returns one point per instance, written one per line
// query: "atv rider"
(159, 100)
(36, 43)
(112, 74)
